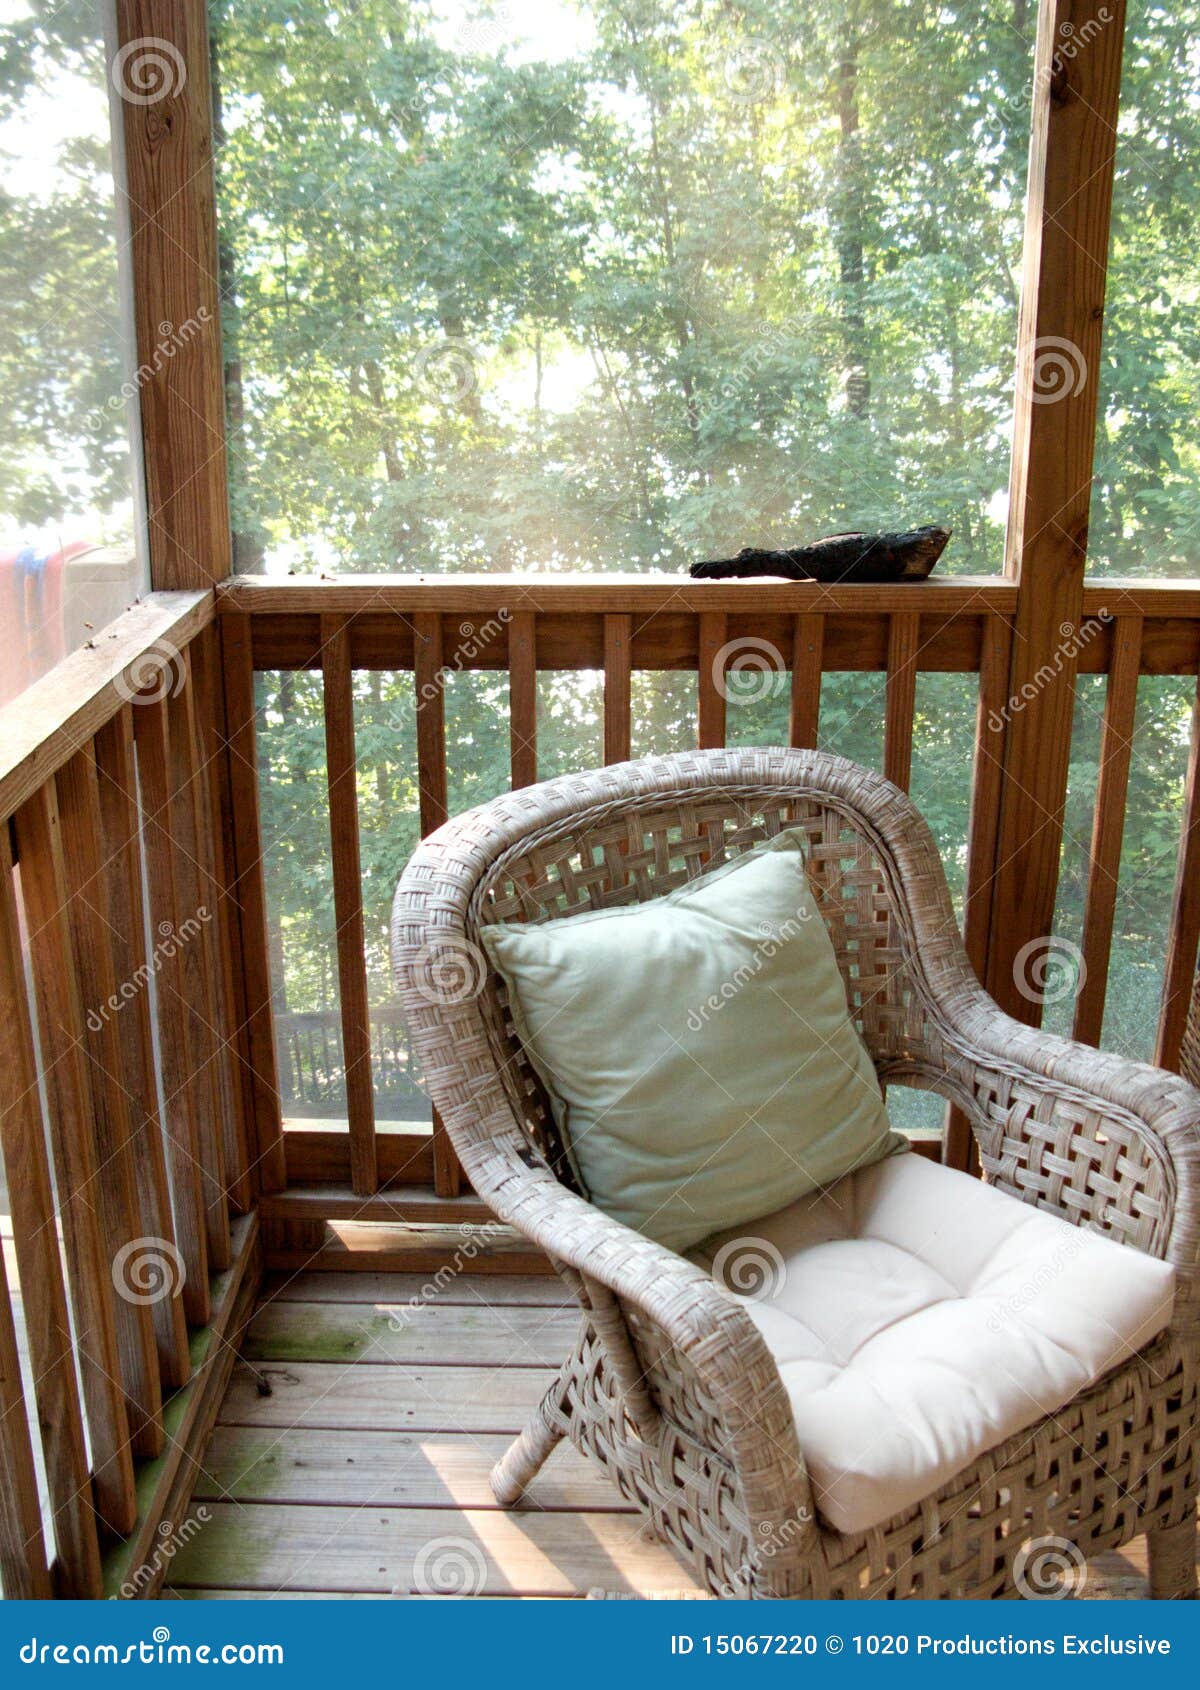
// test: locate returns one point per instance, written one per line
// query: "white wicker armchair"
(671, 1385)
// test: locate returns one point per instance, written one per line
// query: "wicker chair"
(670, 1385)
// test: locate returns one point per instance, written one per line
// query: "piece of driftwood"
(839, 557)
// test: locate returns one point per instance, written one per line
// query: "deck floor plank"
(430, 1332)
(352, 1452)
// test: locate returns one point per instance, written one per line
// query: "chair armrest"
(735, 1379)
(1100, 1139)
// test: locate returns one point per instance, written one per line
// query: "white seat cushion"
(920, 1317)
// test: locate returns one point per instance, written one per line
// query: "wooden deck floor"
(352, 1452)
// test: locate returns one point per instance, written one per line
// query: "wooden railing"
(142, 1118)
(121, 1094)
(618, 625)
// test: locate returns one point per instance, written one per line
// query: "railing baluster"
(72, 1134)
(1185, 914)
(183, 1148)
(808, 640)
(987, 768)
(23, 1565)
(35, 1236)
(91, 924)
(522, 696)
(710, 681)
(904, 637)
(985, 786)
(341, 770)
(618, 678)
(222, 935)
(1108, 826)
(183, 828)
(121, 821)
(429, 685)
(270, 1167)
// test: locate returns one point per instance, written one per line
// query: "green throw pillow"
(697, 1049)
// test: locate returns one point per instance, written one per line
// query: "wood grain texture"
(388, 1550)
(269, 1171)
(611, 593)
(67, 1081)
(387, 1470)
(429, 685)
(808, 640)
(1108, 827)
(342, 774)
(1058, 366)
(168, 188)
(522, 695)
(216, 867)
(190, 1188)
(23, 1564)
(55, 717)
(1185, 915)
(195, 915)
(711, 662)
(414, 1399)
(618, 677)
(904, 635)
(120, 819)
(135, 1567)
(319, 1155)
(47, 1323)
(91, 925)
(419, 1332)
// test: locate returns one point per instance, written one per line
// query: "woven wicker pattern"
(671, 1386)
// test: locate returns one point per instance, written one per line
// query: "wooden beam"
(1108, 826)
(349, 940)
(1058, 356)
(73, 1138)
(54, 718)
(120, 819)
(1185, 915)
(161, 74)
(522, 692)
(605, 594)
(39, 1267)
(269, 1172)
(904, 643)
(711, 689)
(23, 1565)
(808, 639)
(618, 677)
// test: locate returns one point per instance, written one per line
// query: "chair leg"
(519, 1465)
(1173, 1562)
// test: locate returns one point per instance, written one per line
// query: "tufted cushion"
(920, 1317)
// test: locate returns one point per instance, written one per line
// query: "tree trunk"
(849, 214)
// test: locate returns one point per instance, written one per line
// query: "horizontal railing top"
(52, 719)
(619, 593)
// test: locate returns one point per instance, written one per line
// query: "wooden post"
(1058, 353)
(808, 640)
(1108, 827)
(618, 677)
(342, 780)
(161, 74)
(269, 1172)
(1185, 915)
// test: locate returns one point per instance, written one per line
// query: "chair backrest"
(637, 830)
